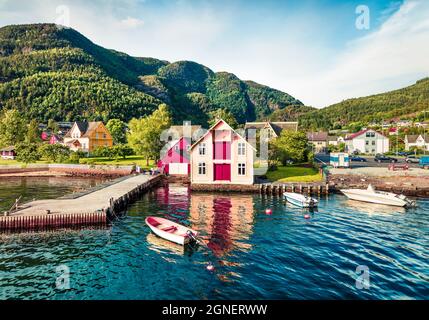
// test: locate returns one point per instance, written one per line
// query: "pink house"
(222, 156)
(54, 139)
(8, 153)
(176, 160)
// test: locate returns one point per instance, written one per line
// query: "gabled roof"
(8, 149)
(357, 134)
(277, 127)
(317, 136)
(86, 128)
(214, 126)
(413, 138)
(179, 130)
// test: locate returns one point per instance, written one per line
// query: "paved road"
(370, 162)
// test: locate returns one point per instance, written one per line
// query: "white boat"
(378, 197)
(300, 200)
(170, 230)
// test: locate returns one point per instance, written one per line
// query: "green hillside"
(49, 72)
(381, 107)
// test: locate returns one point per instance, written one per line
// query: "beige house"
(222, 156)
(417, 141)
(87, 136)
(319, 141)
(274, 128)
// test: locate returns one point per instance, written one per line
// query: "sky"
(319, 51)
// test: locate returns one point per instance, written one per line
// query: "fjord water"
(256, 256)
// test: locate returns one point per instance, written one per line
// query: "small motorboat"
(171, 231)
(300, 200)
(378, 197)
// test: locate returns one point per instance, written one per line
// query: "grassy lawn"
(294, 174)
(15, 162)
(131, 160)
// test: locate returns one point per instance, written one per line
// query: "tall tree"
(53, 126)
(117, 129)
(27, 152)
(144, 134)
(290, 145)
(33, 132)
(12, 128)
(223, 114)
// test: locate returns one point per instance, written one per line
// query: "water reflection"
(372, 208)
(226, 221)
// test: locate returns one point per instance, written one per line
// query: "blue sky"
(310, 49)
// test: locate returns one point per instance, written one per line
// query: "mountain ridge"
(46, 71)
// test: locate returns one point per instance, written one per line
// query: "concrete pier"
(94, 208)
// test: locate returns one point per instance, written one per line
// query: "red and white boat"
(170, 230)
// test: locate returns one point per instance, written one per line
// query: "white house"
(222, 156)
(418, 141)
(367, 141)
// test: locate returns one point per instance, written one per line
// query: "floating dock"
(91, 209)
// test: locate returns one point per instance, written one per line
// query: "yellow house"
(87, 136)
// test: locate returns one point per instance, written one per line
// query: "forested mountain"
(381, 107)
(50, 72)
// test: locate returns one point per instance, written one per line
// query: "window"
(202, 149)
(202, 168)
(370, 134)
(104, 136)
(373, 143)
(367, 143)
(241, 169)
(96, 135)
(176, 147)
(241, 149)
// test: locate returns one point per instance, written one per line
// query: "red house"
(176, 159)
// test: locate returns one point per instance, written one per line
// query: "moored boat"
(170, 230)
(378, 197)
(300, 200)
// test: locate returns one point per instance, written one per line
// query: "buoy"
(268, 211)
(210, 267)
(307, 216)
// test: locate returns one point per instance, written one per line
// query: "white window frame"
(202, 170)
(241, 169)
(202, 149)
(241, 149)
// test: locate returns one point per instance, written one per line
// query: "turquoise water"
(256, 256)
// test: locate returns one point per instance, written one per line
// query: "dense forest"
(402, 103)
(48, 72)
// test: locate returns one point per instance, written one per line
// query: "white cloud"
(131, 23)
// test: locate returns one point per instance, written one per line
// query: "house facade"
(367, 141)
(87, 136)
(176, 158)
(274, 128)
(318, 141)
(8, 153)
(418, 141)
(222, 156)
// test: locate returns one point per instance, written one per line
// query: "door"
(178, 168)
(222, 172)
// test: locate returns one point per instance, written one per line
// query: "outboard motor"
(191, 236)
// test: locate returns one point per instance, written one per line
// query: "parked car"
(412, 159)
(424, 162)
(405, 153)
(357, 159)
(382, 158)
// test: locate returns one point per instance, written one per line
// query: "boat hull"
(388, 199)
(179, 236)
(300, 200)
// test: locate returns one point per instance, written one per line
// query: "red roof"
(357, 134)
